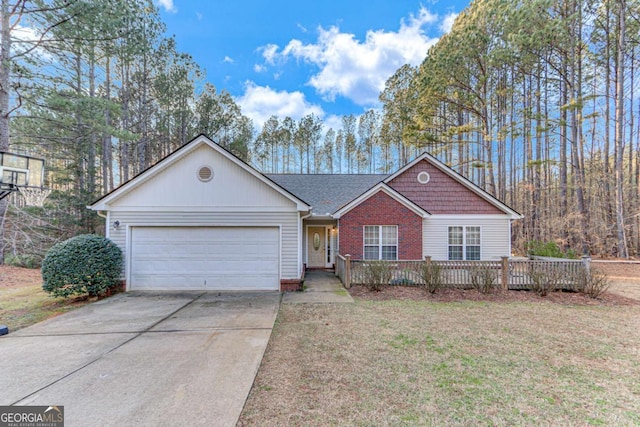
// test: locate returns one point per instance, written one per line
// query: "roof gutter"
(325, 216)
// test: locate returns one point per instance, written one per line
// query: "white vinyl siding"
(495, 235)
(380, 242)
(231, 187)
(286, 221)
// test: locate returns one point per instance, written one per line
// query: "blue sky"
(293, 58)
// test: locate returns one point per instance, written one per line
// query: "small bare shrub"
(431, 277)
(592, 283)
(483, 278)
(377, 275)
(544, 280)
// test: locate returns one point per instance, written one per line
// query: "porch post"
(586, 264)
(505, 273)
(347, 271)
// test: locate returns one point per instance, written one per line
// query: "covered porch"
(319, 243)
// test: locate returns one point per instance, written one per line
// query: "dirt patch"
(16, 277)
(615, 269)
(624, 276)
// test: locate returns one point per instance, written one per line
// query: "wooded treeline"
(536, 101)
(96, 89)
(533, 100)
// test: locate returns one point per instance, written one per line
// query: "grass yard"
(403, 362)
(23, 302)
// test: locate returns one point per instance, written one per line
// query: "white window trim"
(380, 245)
(464, 241)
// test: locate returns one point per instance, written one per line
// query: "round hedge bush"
(83, 265)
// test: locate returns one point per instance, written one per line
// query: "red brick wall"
(381, 209)
(290, 285)
(442, 194)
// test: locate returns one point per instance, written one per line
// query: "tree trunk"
(619, 172)
(5, 74)
(107, 152)
(5, 81)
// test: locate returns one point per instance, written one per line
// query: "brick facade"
(290, 285)
(442, 194)
(381, 209)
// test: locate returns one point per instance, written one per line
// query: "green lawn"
(462, 363)
(21, 307)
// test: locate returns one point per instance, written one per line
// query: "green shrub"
(83, 265)
(431, 276)
(24, 261)
(484, 278)
(548, 249)
(377, 275)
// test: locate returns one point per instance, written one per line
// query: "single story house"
(202, 219)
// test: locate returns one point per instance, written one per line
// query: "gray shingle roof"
(326, 193)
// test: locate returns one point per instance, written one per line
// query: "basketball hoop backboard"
(20, 172)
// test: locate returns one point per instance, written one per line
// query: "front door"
(316, 247)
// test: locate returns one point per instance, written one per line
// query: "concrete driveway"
(142, 359)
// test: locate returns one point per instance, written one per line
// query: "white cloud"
(261, 102)
(332, 121)
(358, 69)
(228, 59)
(259, 68)
(269, 53)
(24, 40)
(167, 5)
(447, 22)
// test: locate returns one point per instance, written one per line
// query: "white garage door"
(205, 258)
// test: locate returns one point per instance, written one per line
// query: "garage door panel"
(205, 258)
(192, 268)
(213, 247)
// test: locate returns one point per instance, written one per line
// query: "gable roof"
(103, 202)
(382, 187)
(459, 178)
(327, 193)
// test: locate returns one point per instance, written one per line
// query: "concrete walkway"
(319, 287)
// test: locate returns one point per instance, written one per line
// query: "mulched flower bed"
(499, 296)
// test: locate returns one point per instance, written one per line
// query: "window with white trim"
(381, 242)
(464, 243)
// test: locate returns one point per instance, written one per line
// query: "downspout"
(106, 222)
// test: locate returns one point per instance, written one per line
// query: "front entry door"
(316, 247)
